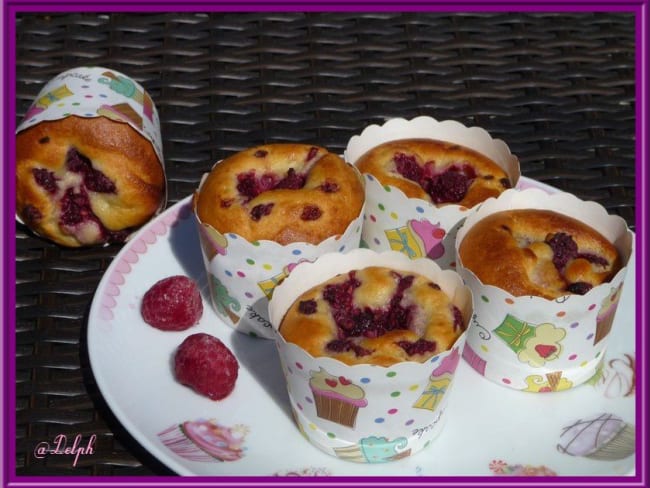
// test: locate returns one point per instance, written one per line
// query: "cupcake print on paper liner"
(541, 349)
(374, 450)
(336, 399)
(395, 222)
(205, 441)
(605, 437)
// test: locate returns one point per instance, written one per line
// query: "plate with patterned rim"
(588, 430)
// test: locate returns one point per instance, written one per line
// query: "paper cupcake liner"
(242, 275)
(364, 413)
(536, 344)
(414, 226)
(96, 91)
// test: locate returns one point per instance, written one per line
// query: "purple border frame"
(7, 246)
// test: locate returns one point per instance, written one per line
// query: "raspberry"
(259, 211)
(593, 259)
(329, 187)
(579, 287)
(367, 322)
(313, 151)
(311, 212)
(94, 179)
(45, 179)
(343, 345)
(564, 249)
(206, 365)
(307, 307)
(249, 185)
(408, 167)
(293, 180)
(173, 303)
(449, 186)
(421, 346)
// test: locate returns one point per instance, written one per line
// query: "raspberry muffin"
(374, 315)
(538, 252)
(86, 181)
(439, 172)
(281, 192)
(369, 345)
(546, 271)
(422, 176)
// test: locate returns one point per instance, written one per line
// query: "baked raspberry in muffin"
(539, 253)
(374, 315)
(86, 181)
(436, 171)
(281, 192)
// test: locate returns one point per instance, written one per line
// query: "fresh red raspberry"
(173, 303)
(205, 364)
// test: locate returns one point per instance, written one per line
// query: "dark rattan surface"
(558, 88)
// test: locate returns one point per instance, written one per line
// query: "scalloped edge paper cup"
(391, 412)
(505, 330)
(416, 227)
(242, 275)
(95, 91)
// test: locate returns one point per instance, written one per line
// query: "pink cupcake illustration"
(205, 440)
(336, 399)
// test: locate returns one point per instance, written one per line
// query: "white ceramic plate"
(491, 430)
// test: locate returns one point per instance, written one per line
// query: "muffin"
(422, 176)
(538, 252)
(374, 315)
(369, 345)
(89, 167)
(439, 172)
(546, 272)
(281, 192)
(264, 210)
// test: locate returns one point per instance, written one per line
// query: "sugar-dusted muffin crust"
(86, 181)
(374, 315)
(538, 252)
(281, 192)
(439, 172)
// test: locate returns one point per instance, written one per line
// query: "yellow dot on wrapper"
(60, 104)
(312, 426)
(484, 348)
(583, 364)
(414, 387)
(267, 266)
(393, 215)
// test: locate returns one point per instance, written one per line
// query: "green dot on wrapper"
(391, 374)
(485, 299)
(395, 394)
(331, 435)
(250, 261)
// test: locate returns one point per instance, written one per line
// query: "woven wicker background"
(559, 89)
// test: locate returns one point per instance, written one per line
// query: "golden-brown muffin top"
(538, 252)
(437, 171)
(374, 315)
(281, 192)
